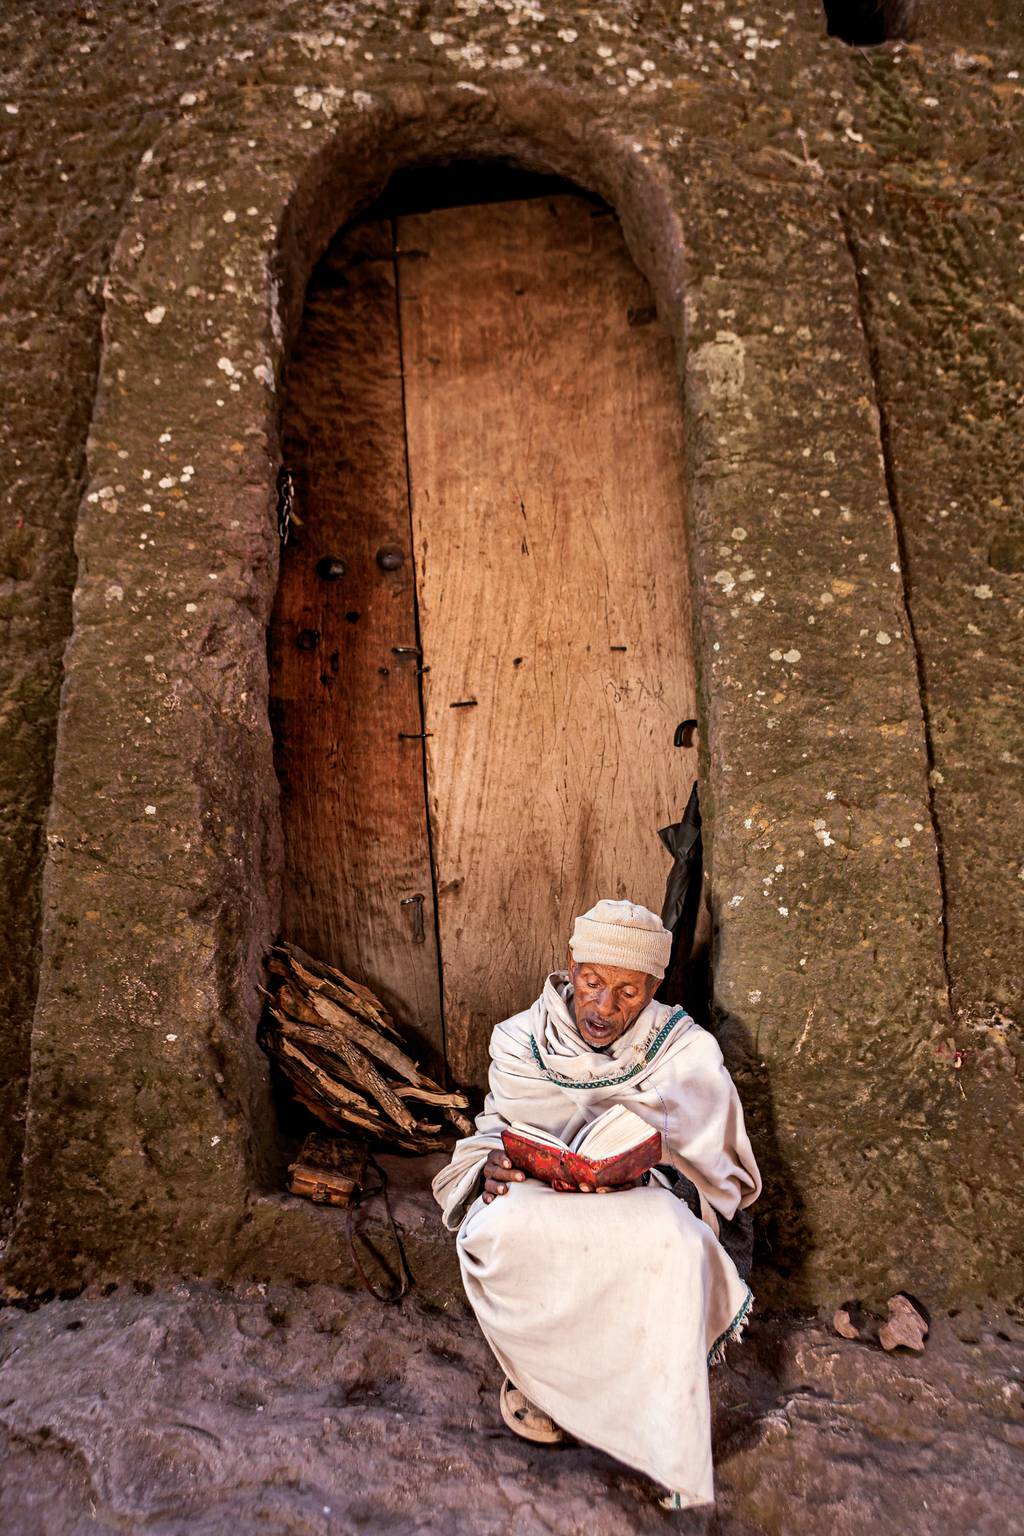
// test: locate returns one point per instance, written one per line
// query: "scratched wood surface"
(545, 450)
(352, 791)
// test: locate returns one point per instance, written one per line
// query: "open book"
(616, 1148)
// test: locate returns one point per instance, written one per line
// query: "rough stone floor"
(319, 1412)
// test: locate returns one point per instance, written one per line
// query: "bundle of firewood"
(344, 1058)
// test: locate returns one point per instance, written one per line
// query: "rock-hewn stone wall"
(835, 236)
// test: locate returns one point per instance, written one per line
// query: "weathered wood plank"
(352, 791)
(548, 513)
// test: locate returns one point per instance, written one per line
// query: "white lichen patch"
(155, 315)
(822, 833)
(471, 54)
(722, 363)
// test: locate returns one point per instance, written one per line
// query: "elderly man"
(604, 1312)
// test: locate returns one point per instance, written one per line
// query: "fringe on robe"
(607, 1309)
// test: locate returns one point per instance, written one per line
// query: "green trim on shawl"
(622, 1077)
(716, 1354)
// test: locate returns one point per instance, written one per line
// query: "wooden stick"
(344, 1120)
(365, 996)
(298, 1005)
(349, 993)
(366, 1074)
(366, 1038)
(434, 1096)
(369, 1041)
(320, 1013)
(321, 1041)
(289, 1030)
(343, 1030)
(340, 1116)
(350, 1001)
(335, 1094)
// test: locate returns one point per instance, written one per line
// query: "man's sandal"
(525, 1419)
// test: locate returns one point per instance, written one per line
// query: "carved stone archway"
(150, 1134)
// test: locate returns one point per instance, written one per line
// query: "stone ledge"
(288, 1238)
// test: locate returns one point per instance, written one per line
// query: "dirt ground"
(319, 1412)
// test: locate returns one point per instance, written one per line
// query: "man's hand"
(498, 1175)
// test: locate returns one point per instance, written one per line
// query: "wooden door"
(492, 397)
(344, 656)
(545, 451)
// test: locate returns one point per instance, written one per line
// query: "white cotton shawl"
(665, 1067)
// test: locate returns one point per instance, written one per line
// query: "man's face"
(608, 999)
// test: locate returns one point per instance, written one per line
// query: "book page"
(615, 1131)
(543, 1138)
(595, 1126)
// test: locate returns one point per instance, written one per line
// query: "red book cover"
(566, 1170)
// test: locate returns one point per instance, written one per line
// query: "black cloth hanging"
(683, 890)
(679, 913)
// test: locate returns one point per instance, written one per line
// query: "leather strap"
(360, 1194)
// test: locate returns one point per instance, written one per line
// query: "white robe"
(606, 1309)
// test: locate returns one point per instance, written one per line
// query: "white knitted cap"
(621, 933)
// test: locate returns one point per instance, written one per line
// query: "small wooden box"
(328, 1170)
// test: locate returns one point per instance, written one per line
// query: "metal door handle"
(419, 932)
